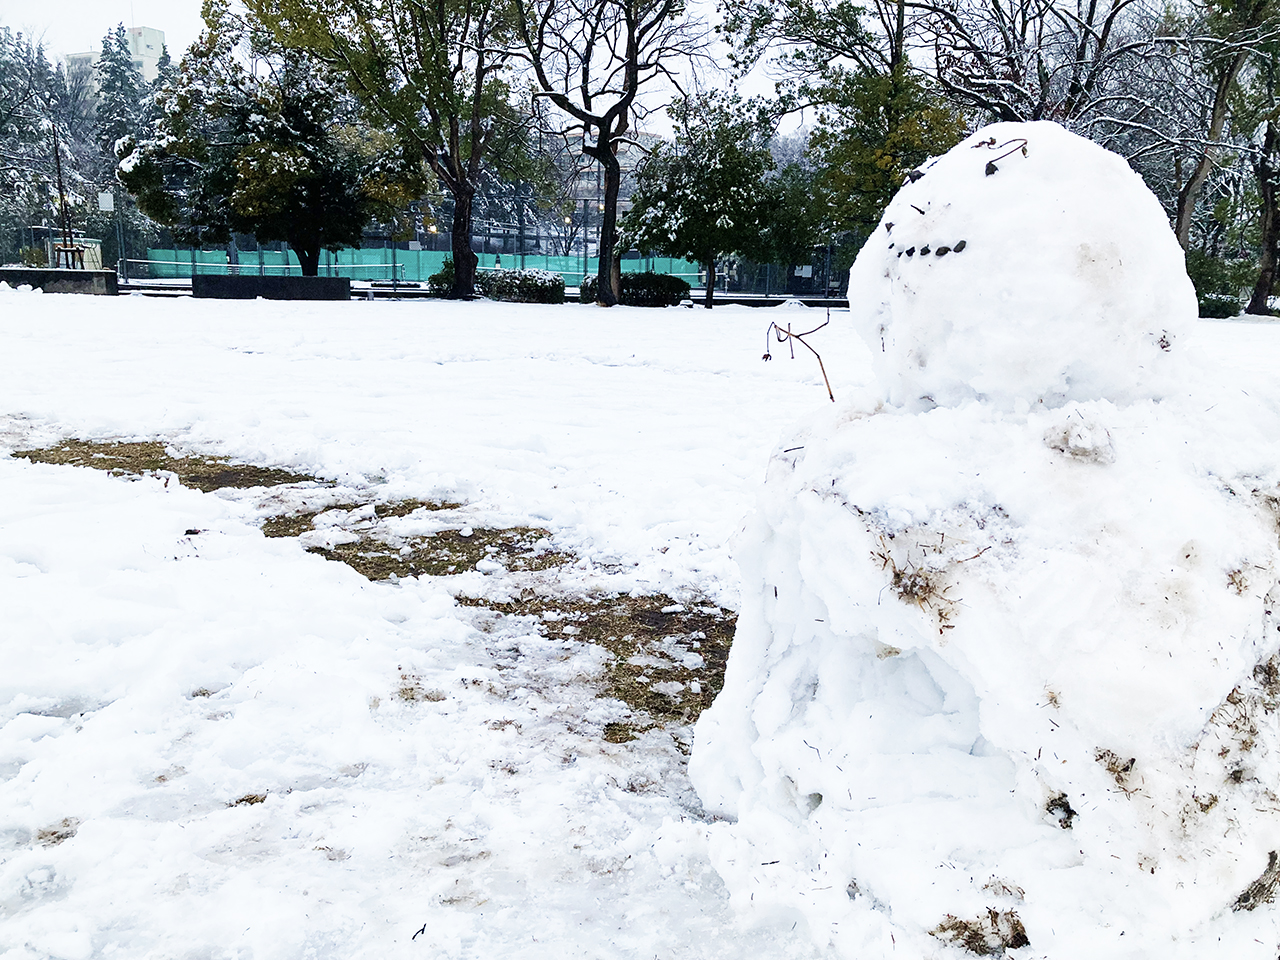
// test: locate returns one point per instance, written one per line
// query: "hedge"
(642, 290)
(519, 286)
(1219, 306)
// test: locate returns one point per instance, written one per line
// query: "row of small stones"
(938, 252)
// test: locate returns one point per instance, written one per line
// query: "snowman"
(1005, 680)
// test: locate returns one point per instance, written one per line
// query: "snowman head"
(1026, 265)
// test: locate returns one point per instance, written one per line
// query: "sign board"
(106, 202)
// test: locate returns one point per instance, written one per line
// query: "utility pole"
(62, 199)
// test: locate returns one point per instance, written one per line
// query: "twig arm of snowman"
(786, 336)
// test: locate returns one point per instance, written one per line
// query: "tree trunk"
(308, 254)
(606, 291)
(711, 281)
(1190, 191)
(1266, 175)
(464, 260)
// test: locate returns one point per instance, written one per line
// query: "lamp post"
(586, 232)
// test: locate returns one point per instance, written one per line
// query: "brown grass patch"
(381, 557)
(1121, 769)
(988, 936)
(298, 523)
(668, 658)
(411, 690)
(150, 457)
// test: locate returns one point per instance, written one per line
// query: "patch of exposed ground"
(668, 658)
(56, 833)
(151, 457)
(1262, 890)
(298, 522)
(379, 555)
(988, 936)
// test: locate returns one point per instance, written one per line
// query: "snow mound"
(1029, 264)
(1006, 677)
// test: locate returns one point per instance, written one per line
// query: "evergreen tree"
(875, 130)
(120, 92)
(36, 99)
(707, 195)
(250, 140)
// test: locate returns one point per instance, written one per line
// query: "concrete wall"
(242, 287)
(101, 282)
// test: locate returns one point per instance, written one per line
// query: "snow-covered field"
(493, 821)
(161, 659)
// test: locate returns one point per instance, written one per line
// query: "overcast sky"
(73, 26)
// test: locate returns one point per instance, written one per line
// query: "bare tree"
(593, 59)
(1020, 60)
(813, 45)
(1153, 82)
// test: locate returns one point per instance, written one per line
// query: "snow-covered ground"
(151, 676)
(488, 817)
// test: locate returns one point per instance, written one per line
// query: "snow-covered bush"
(1220, 281)
(645, 289)
(1219, 306)
(440, 283)
(521, 286)
(1007, 666)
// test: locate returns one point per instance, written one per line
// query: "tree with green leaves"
(706, 195)
(251, 140)
(797, 218)
(875, 130)
(879, 115)
(435, 74)
(27, 97)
